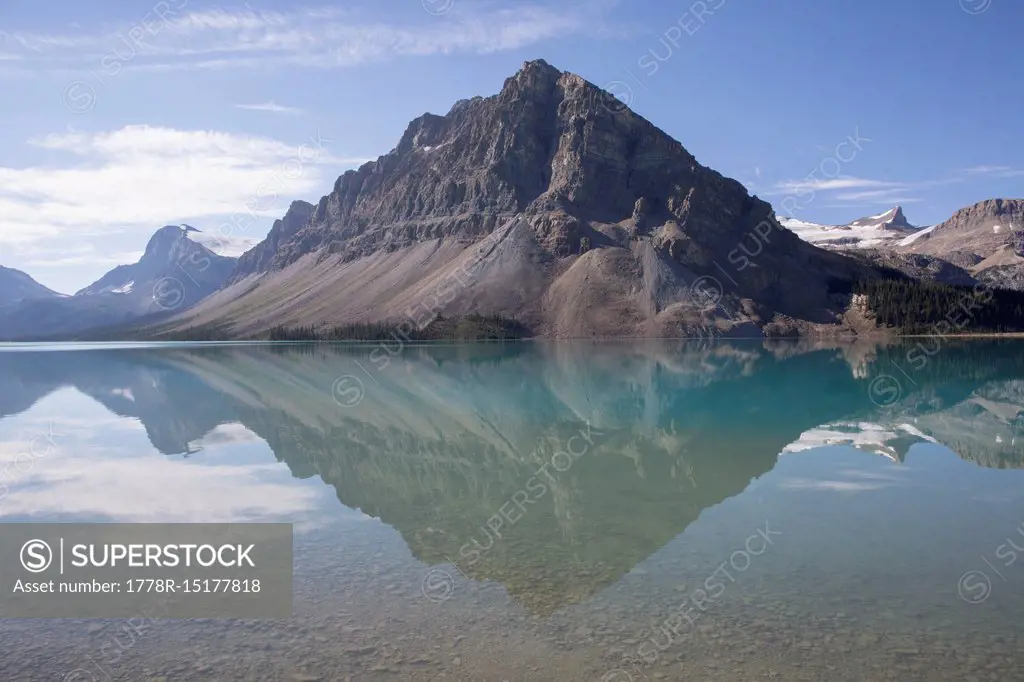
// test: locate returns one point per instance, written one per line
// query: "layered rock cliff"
(550, 202)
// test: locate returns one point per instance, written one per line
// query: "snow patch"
(126, 289)
(850, 236)
(907, 241)
(888, 214)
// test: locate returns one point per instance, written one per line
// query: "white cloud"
(860, 191)
(792, 186)
(230, 245)
(142, 177)
(322, 38)
(985, 170)
(995, 171)
(147, 488)
(271, 106)
(831, 486)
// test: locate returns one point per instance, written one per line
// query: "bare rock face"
(576, 216)
(259, 258)
(915, 266)
(983, 229)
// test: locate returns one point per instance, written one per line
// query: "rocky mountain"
(913, 265)
(260, 257)
(884, 229)
(174, 273)
(981, 237)
(550, 202)
(172, 257)
(17, 286)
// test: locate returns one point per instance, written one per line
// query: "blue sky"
(123, 116)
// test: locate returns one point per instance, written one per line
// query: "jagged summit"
(893, 219)
(877, 231)
(592, 219)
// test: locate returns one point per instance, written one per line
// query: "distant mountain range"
(551, 203)
(886, 229)
(16, 286)
(174, 273)
(979, 243)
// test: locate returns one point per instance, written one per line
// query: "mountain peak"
(897, 217)
(536, 80)
(547, 186)
(164, 239)
(893, 219)
(539, 65)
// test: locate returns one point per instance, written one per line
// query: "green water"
(547, 511)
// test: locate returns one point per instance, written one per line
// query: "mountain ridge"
(550, 202)
(884, 229)
(174, 273)
(16, 286)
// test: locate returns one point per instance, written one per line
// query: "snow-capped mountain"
(885, 229)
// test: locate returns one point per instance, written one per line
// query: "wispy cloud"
(994, 171)
(984, 170)
(318, 38)
(849, 192)
(792, 186)
(271, 106)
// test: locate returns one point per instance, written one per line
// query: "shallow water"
(547, 511)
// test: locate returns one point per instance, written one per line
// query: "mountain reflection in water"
(464, 450)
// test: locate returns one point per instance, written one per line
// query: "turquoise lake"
(606, 511)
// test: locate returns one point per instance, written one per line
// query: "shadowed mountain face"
(550, 202)
(173, 274)
(16, 286)
(449, 444)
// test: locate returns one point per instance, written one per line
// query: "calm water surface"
(571, 511)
